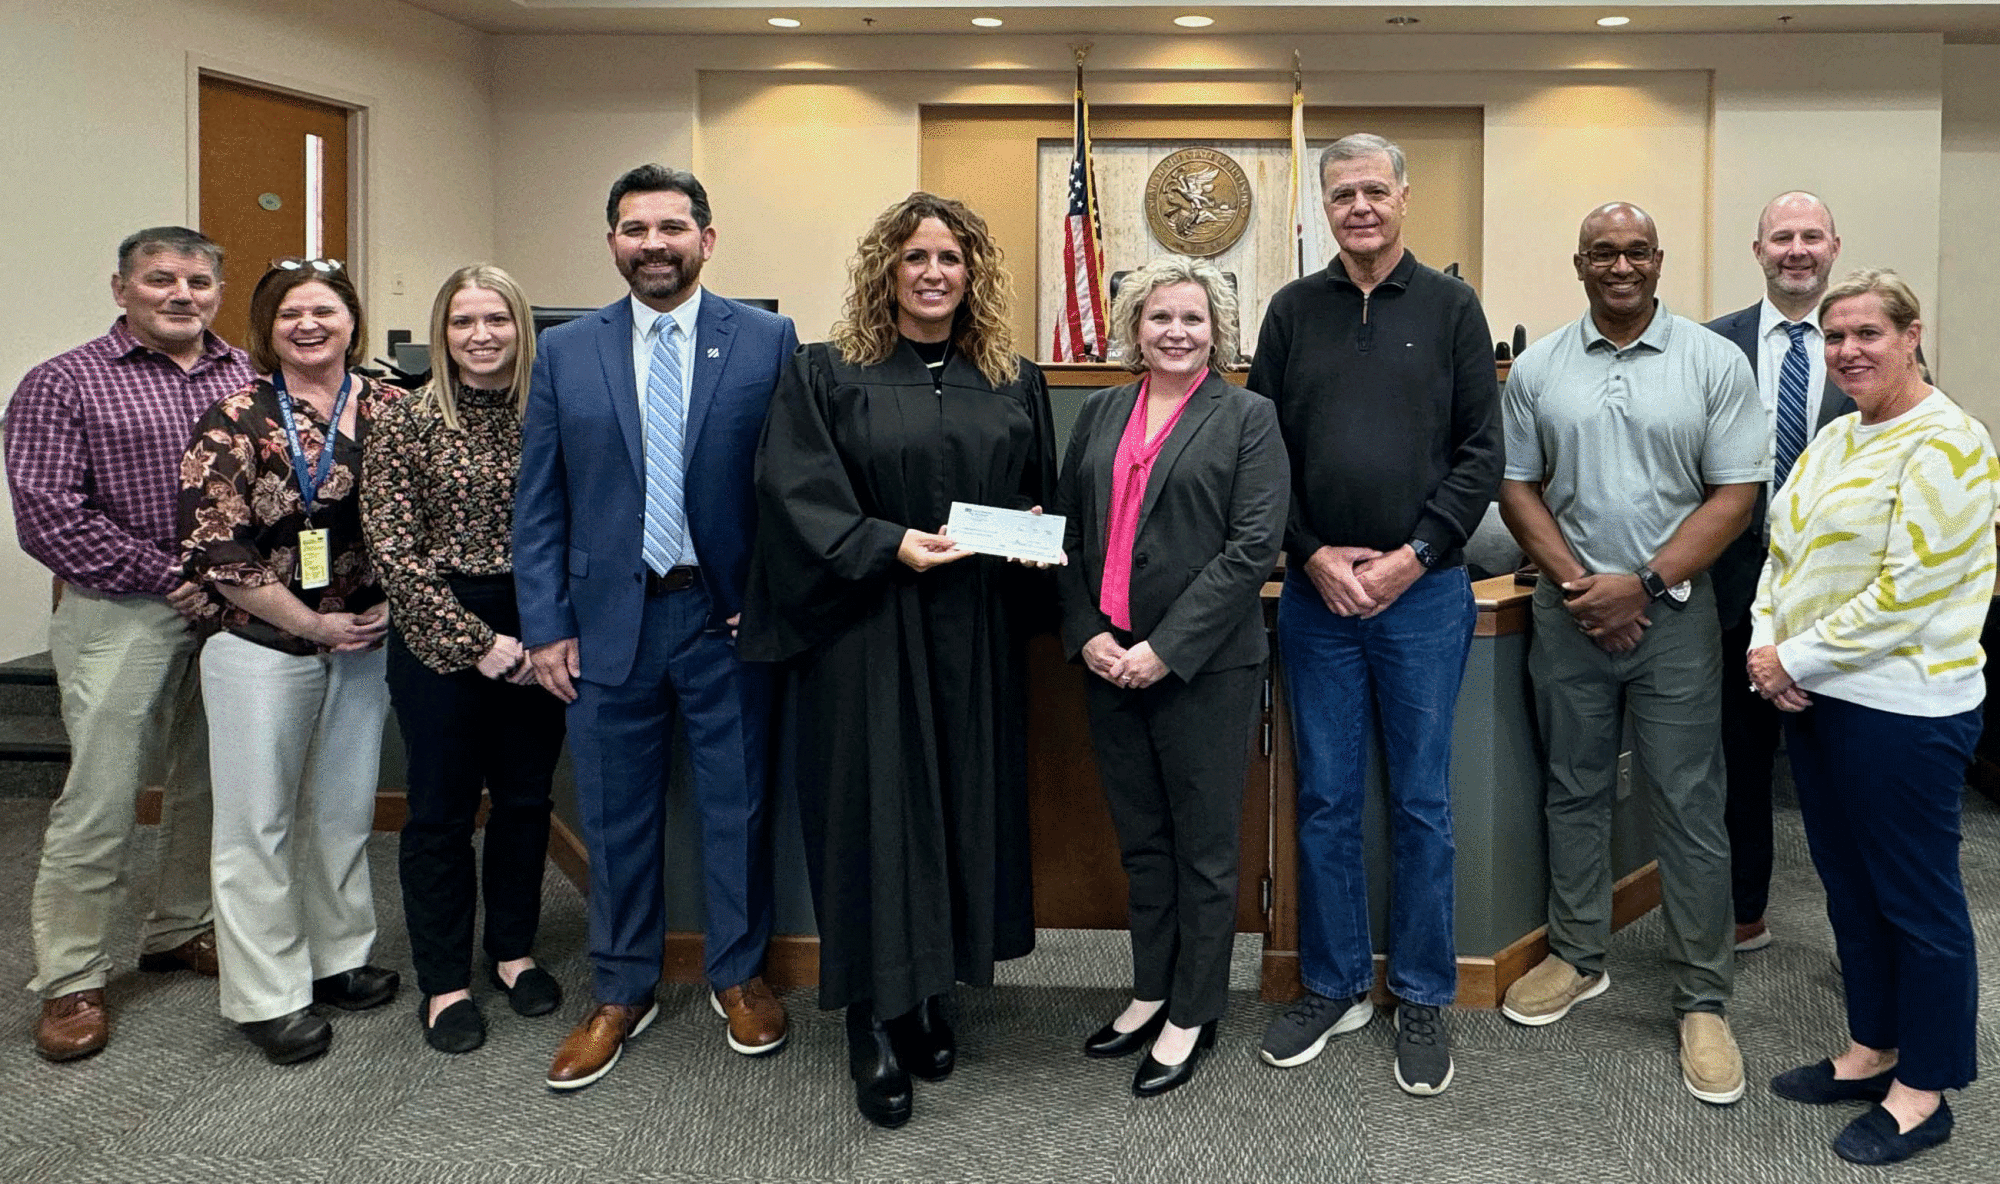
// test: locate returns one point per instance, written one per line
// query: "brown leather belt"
(677, 579)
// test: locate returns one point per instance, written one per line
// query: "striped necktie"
(666, 411)
(1792, 375)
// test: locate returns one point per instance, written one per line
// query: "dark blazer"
(1209, 529)
(1736, 571)
(579, 506)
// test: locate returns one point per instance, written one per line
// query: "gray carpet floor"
(179, 1096)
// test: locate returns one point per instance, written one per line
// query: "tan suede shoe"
(197, 953)
(756, 1019)
(1711, 1065)
(1546, 993)
(73, 1025)
(594, 1045)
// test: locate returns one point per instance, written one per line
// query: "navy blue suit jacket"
(1736, 572)
(579, 505)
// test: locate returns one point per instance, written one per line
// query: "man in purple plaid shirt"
(94, 439)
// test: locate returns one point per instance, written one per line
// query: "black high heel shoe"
(1108, 1042)
(881, 1084)
(923, 1040)
(1154, 1079)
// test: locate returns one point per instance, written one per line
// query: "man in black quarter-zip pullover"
(1382, 370)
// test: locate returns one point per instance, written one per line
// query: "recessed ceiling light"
(988, 22)
(1612, 22)
(782, 22)
(1402, 21)
(1194, 22)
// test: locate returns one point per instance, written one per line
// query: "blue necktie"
(666, 410)
(1792, 375)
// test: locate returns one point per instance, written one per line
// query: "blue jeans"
(1401, 668)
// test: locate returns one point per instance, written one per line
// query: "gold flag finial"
(1082, 50)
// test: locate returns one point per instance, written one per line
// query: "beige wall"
(503, 146)
(1701, 129)
(1961, 342)
(97, 145)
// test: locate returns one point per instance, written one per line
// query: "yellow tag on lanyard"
(315, 567)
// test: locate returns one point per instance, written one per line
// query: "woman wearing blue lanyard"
(270, 523)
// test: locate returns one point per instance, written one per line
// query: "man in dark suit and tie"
(1796, 246)
(632, 531)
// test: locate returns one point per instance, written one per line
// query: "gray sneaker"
(1423, 1050)
(1301, 1032)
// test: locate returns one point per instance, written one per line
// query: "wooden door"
(273, 185)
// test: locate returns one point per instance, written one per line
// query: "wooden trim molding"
(1482, 982)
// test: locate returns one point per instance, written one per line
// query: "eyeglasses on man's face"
(1604, 258)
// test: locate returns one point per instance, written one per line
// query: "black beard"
(676, 282)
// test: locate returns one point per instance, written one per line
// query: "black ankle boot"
(881, 1086)
(923, 1040)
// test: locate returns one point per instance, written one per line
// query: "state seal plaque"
(1198, 202)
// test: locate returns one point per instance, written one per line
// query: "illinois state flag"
(1080, 334)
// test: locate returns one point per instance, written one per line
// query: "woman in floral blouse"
(270, 523)
(438, 503)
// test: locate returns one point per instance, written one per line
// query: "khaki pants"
(298, 751)
(1667, 685)
(132, 705)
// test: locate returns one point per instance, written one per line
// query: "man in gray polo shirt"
(1635, 450)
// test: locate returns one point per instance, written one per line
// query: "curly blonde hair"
(866, 333)
(1166, 271)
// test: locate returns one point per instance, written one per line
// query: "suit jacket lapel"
(614, 351)
(1200, 406)
(714, 329)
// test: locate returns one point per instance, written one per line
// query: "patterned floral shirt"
(438, 503)
(240, 512)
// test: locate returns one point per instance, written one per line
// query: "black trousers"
(1172, 758)
(464, 732)
(1749, 748)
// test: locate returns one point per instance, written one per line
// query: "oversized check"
(1011, 534)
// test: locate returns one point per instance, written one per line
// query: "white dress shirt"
(1774, 341)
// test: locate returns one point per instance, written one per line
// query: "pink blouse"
(1131, 468)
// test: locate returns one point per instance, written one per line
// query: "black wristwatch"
(1425, 553)
(1657, 589)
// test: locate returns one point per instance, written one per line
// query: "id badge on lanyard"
(315, 542)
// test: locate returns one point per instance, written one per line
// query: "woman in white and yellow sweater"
(1866, 630)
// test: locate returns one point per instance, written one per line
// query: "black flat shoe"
(881, 1085)
(358, 989)
(290, 1038)
(1874, 1138)
(1815, 1085)
(1108, 1042)
(535, 991)
(1154, 1079)
(458, 1028)
(924, 1042)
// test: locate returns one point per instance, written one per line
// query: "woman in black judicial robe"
(904, 717)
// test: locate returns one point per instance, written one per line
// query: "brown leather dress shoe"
(73, 1025)
(756, 1019)
(197, 953)
(594, 1045)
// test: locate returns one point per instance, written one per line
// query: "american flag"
(1305, 187)
(1080, 333)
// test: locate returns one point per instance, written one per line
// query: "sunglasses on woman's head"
(322, 266)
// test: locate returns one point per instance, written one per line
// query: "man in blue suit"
(632, 531)
(1796, 246)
